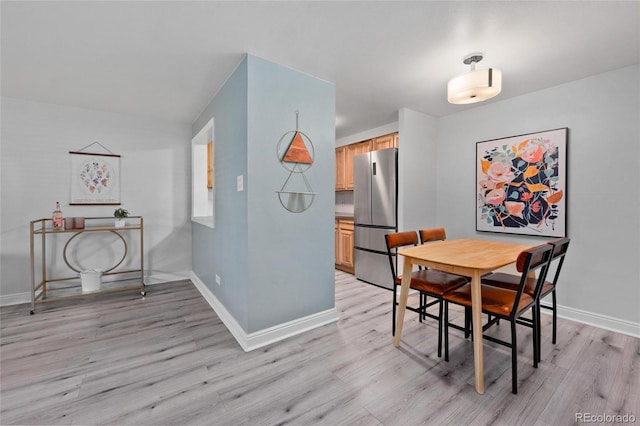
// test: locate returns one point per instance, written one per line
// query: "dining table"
(468, 257)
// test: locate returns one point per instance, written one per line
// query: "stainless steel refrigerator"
(375, 189)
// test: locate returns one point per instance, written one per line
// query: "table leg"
(476, 318)
(402, 303)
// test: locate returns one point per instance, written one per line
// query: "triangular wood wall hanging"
(297, 151)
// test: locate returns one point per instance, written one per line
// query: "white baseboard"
(15, 299)
(601, 321)
(166, 277)
(258, 339)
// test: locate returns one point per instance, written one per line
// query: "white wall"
(155, 175)
(601, 279)
(417, 171)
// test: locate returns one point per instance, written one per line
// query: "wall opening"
(202, 177)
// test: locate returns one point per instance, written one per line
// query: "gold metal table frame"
(133, 279)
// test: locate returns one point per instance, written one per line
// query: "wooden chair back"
(397, 240)
(433, 234)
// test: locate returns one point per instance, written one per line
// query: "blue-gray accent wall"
(275, 266)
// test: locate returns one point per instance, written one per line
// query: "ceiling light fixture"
(475, 86)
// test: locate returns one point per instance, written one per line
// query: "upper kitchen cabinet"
(354, 149)
(341, 182)
(344, 163)
(386, 141)
(344, 157)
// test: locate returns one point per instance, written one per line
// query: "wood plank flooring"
(167, 359)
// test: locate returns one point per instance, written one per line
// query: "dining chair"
(510, 305)
(428, 282)
(439, 234)
(509, 281)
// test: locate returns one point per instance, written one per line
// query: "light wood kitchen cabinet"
(344, 245)
(336, 234)
(352, 150)
(344, 157)
(386, 141)
(210, 165)
(341, 182)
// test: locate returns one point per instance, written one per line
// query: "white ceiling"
(167, 59)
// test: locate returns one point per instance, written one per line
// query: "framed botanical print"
(95, 178)
(521, 184)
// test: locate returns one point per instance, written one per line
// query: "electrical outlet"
(218, 279)
(240, 183)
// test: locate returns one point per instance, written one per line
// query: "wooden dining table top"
(465, 253)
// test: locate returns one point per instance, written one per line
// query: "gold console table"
(45, 288)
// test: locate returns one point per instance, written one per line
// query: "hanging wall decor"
(295, 152)
(95, 177)
(521, 184)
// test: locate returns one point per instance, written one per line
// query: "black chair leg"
(446, 330)
(514, 359)
(467, 322)
(555, 317)
(535, 312)
(393, 315)
(440, 309)
(539, 324)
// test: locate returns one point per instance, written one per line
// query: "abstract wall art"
(521, 184)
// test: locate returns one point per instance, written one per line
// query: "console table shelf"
(47, 288)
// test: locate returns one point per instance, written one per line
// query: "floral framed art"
(95, 178)
(521, 184)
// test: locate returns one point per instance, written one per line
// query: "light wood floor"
(168, 359)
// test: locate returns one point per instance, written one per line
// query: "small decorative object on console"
(78, 222)
(120, 213)
(57, 218)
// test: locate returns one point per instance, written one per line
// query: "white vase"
(120, 223)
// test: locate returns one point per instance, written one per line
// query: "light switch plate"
(240, 183)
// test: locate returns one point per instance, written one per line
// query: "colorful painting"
(95, 178)
(522, 184)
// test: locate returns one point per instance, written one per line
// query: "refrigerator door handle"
(374, 168)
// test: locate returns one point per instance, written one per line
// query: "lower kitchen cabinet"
(344, 245)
